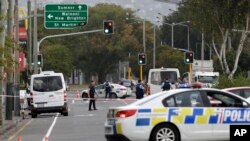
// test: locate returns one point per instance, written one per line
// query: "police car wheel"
(84, 96)
(113, 95)
(165, 132)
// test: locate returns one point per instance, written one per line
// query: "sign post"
(65, 16)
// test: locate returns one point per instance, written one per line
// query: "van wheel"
(34, 115)
(113, 95)
(165, 132)
(84, 96)
(66, 113)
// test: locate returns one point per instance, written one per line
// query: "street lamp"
(172, 31)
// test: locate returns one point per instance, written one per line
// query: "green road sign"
(65, 16)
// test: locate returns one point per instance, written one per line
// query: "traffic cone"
(19, 138)
(78, 94)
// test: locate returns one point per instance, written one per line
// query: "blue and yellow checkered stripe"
(178, 116)
(145, 121)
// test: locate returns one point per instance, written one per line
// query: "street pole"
(202, 49)
(154, 49)
(35, 51)
(144, 38)
(10, 78)
(172, 42)
(17, 72)
(29, 45)
(63, 35)
(188, 38)
(141, 72)
(3, 12)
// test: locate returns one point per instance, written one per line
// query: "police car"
(178, 115)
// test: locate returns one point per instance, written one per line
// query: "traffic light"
(142, 59)
(188, 57)
(108, 27)
(39, 60)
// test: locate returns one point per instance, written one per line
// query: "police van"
(158, 75)
(48, 93)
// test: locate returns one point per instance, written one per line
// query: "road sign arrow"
(50, 16)
(80, 7)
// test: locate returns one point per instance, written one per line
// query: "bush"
(239, 80)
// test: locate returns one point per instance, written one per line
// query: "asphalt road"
(81, 124)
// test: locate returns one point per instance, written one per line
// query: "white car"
(177, 115)
(118, 91)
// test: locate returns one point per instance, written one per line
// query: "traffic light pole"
(140, 72)
(190, 73)
(67, 34)
(59, 35)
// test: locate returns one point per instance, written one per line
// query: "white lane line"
(50, 129)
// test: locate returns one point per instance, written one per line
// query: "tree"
(58, 59)
(217, 19)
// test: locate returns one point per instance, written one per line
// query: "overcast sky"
(149, 9)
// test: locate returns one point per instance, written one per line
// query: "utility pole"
(3, 12)
(29, 45)
(17, 72)
(202, 49)
(154, 49)
(10, 78)
(35, 50)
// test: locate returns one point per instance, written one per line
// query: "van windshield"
(47, 84)
(159, 76)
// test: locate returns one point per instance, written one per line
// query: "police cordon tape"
(84, 99)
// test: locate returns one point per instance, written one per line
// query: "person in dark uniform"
(139, 90)
(107, 89)
(92, 95)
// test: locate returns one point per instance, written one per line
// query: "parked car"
(128, 83)
(241, 91)
(118, 91)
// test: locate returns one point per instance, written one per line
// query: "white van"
(157, 76)
(48, 93)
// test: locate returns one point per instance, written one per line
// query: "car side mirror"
(245, 104)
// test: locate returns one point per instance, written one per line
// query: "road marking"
(88, 115)
(20, 130)
(50, 129)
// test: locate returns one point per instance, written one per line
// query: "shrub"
(239, 80)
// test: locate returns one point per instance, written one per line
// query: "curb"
(10, 126)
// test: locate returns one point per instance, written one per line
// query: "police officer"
(107, 89)
(92, 95)
(139, 90)
(166, 85)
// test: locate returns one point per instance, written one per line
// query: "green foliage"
(239, 80)
(171, 58)
(58, 59)
(8, 61)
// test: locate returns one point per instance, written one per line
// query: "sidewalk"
(10, 126)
